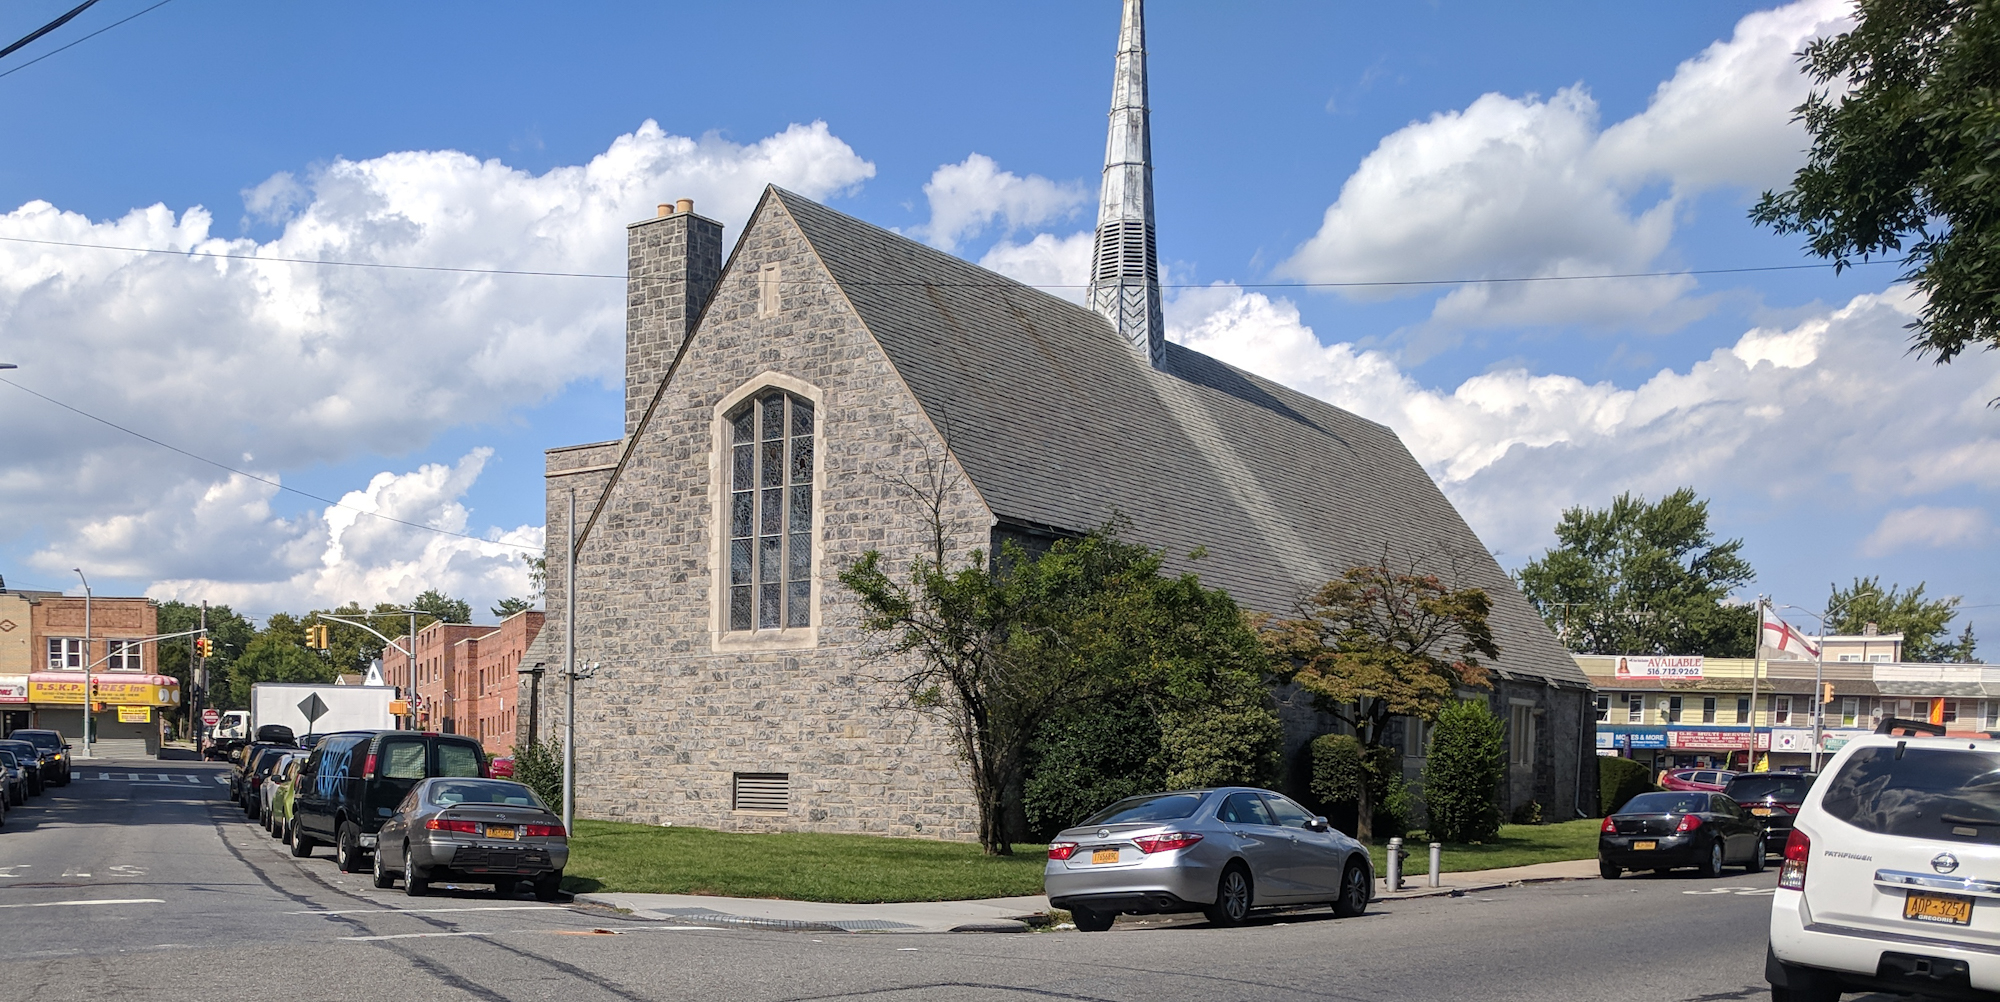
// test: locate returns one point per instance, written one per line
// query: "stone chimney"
(671, 266)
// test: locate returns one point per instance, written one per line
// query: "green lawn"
(612, 856)
(1518, 845)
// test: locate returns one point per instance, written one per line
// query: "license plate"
(1099, 856)
(1762, 812)
(1948, 909)
(499, 831)
(1646, 846)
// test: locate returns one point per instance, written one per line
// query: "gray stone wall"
(672, 713)
(672, 264)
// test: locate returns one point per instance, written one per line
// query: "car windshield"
(7, 759)
(1157, 807)
(485, 791)
(1930, 793)
(1666, 803)
(41, 739)
(1790, 787)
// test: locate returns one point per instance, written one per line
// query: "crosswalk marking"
(153, 777)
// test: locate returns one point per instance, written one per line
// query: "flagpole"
(1756, 662)
(1819, 693)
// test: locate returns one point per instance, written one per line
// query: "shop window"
(1603, 707)
(1708, 709)
(1781, 710)
(1673, 709)
(1743, 710)
(1635, 708)
(1950, 711)
(1850, 711)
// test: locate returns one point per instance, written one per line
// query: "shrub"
(1086, 757)
(1462, 777)
(1337, 772)
(1221, 746)
(1618, 781)
(1529, 813)
(539, 768)
(1336, 768)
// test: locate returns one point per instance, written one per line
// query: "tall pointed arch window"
(771, 513)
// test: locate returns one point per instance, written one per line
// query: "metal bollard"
(1437, 863)
(1395, 864)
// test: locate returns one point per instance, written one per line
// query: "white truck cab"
(1891, 876)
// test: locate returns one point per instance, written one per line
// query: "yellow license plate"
(1762, 812)
(499, 831)
(1647, 846)
(1098, 856)
(1948, 909)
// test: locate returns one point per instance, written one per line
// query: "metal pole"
(412, 653)
(198, 674)
(86, 662)
(1756, 662)
(569, 670)
(1819, 692)
(1437, 864)
(1395, 864)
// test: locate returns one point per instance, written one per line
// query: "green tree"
(231, 634)
(278, 653)
(1381, 642)
(995, 654)
(1905, 126)
(1462, 776)
(442, 606)
(510, 606)
(1925, 623)
(1643, 578)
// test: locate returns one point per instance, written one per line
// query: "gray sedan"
(1222, 851)
(472, 831)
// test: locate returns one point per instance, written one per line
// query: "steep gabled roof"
(1060, 423)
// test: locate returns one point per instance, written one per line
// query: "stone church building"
(780, 403)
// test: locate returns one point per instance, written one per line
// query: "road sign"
(211, 717)
(313, 707)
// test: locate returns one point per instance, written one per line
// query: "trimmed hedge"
(1462, 777)
(1619, 780)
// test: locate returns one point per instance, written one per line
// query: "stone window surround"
(720, 637)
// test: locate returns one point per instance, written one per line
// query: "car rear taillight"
(1609, 827)
(452, 825)
(1061, 850)
(1166, 843)
(1792, 875)
(368, 765)
(543, 831)
(1688, 823)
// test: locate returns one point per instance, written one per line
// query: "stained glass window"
(770, 513)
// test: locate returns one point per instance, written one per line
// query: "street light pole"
(86, 661)
(569, 671)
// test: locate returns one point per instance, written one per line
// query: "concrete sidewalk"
(1455, 884)
(991, 914)
(987, 915)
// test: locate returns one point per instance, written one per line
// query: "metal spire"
(1124, 268)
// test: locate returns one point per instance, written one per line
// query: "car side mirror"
(1318, 824)
(65, 746)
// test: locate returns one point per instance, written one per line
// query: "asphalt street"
(142, 881)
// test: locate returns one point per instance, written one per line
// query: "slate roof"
(1059, 423)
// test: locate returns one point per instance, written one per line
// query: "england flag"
(1779, 636)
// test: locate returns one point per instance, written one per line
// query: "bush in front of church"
(1462, 776)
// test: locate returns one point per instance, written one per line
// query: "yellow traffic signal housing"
(1826, 693)
(316, 637)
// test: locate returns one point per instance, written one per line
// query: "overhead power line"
(252, 476)
(45, 29)
(1384, 283)
(58, 22)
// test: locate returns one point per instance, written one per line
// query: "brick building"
(778, 404)
(487, 705)
(43, 651)
(435, 685)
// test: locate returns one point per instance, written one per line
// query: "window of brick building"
(65, 653)
(771, 513)
(125, 656)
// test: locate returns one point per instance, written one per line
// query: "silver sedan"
(1223, 852)
(472, 831)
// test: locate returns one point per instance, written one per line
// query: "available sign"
(13, 688)
(1717, 740)
(1673, 666)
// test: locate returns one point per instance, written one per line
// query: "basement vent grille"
(763, 791)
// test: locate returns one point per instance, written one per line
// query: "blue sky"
(1562, 139)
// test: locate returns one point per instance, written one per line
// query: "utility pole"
(198, 674)
(569, 671)
(87, 693)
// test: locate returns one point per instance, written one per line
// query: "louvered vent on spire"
(1124, 267)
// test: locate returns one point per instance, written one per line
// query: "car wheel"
(1711, 866)
(347, 848)
(1088, 920)
(1354, 892)
(383, 878)
(302, 844)
(1232, 897)
(1606, 870)
(548, 885)
(1757, 853)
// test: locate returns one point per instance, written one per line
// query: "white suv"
(1891, 879)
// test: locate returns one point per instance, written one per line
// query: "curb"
(724, 920)
(1459, 892)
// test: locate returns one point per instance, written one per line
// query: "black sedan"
(1661, 831)
(472, 831)
(32, 758)
(1773, 796)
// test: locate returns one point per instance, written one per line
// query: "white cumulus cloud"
(1926, 526)
(968, 196)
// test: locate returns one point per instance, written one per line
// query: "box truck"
(321, 708)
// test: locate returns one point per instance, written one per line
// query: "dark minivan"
(353, 780)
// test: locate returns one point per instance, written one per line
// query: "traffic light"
(1826, 693)
(204, 647)
(316, 637)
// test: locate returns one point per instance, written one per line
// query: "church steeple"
(1124, 268)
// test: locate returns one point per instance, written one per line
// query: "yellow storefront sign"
(108, 691)
(135, 714)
